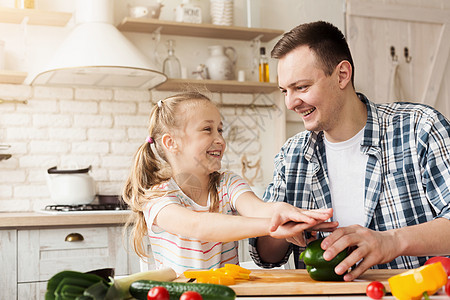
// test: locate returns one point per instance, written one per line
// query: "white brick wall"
(68, 127)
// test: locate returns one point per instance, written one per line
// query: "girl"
(186, 206)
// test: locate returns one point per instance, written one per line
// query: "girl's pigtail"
(214, 180)
(145, 173)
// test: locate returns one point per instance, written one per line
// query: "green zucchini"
(139, 289)
(56, 286)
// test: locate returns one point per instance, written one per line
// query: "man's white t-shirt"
(346, 172)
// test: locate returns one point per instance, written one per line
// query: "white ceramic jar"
(220, 63)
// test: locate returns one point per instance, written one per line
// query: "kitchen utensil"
(5, 156)
(297, 282)
(70, 187)
(221, 62)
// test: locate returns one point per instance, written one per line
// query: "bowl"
(149, 11)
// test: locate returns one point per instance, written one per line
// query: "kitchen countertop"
(15, 220)
(439, 296)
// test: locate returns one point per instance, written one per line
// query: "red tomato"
(375, 290)
(158, 293)
(447, 287)
(445, 261)
(191, 295)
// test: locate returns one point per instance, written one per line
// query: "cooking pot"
(70, 187)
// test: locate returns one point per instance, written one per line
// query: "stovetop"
(86, 208)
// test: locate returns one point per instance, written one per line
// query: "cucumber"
(139, 289)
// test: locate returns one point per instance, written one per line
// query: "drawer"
(44, 252)
(66, 239)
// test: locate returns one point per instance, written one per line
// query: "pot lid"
(54, 170)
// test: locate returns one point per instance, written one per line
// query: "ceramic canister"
(220, 63)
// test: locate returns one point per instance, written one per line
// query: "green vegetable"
(318, 268)
(97, 291)
(139, 289)
(120, 287)
(69, 285)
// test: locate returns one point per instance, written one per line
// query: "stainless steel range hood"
(96, 54)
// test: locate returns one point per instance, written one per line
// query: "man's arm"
(377, 247)
(271, 250)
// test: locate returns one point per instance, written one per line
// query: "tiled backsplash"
(67, 127)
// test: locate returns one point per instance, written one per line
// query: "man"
(384, 169)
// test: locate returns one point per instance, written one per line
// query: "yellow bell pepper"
(226, 275)
(418, 283)
(236, 271)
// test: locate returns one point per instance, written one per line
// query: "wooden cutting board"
(297, 282)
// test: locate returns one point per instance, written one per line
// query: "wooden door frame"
(381, 10)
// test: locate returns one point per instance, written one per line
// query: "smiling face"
(308, 91)
(200, 142)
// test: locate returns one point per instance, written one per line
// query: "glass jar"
(24, 4)
(171, 65)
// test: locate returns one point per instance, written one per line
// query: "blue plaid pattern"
(407, 176)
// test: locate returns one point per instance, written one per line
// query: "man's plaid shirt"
(407, 176)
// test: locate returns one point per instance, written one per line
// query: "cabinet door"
(34, 290)
(421, 74)
(8, 263)
(44, 252)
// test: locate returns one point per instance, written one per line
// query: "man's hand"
(370, 247)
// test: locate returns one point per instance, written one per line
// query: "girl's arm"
(207, 226)
(248, 204)
(257, 220)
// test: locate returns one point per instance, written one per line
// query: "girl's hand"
(295, 232)
(292, 232)
(284, 212)
(290, 222)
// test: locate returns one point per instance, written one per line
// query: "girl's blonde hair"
(151, 168)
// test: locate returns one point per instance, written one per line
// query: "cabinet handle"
(74, 237)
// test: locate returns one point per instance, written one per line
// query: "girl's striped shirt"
(180, 252)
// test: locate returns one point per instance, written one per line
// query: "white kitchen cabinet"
(34, 290)
(8, 258)
(44, 252)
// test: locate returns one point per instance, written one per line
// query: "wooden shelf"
(198, 30)
(14, 77)
(219, 86)
(35, 16)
